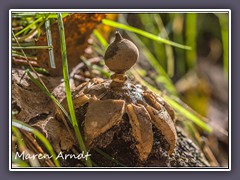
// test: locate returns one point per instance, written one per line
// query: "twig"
(24, 62)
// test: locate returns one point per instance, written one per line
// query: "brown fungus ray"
(102, 115)
(141, 129)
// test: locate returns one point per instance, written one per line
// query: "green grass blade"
(101, 39)
(177, 23)
(51, 15)
(143, 33)
(156, 48)
(65, 70)
(191, 34)
(21, 144)
(223, 19)
(29, 26)
(168, 49)
(22, 147)
(49, 41)
(188, 114)
(67, 88)
(23, 14)
(37, 15)
(23, 126)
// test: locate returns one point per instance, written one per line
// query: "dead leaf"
(56, 133)
(38, 110)
(30, 100)
(78, 28)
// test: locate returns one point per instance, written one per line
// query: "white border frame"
(122, 11)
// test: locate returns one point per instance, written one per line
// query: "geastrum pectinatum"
(108, 100)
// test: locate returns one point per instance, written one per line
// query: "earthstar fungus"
(108, 100)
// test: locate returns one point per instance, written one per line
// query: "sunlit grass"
(29, 26)
(100, 38)
(143, 33)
